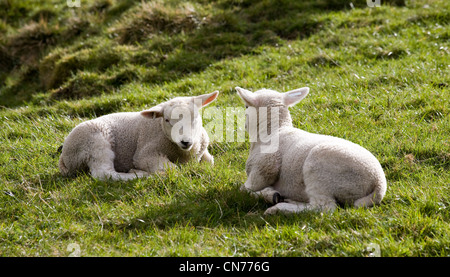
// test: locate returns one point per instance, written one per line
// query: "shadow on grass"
(210, 206)
(170, 203)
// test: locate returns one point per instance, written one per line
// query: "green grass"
(378, 77)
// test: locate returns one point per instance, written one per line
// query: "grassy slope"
(378, 77)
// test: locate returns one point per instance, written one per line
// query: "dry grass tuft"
(30, 40)
(154, 18)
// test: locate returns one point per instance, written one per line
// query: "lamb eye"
(167, 120)
(246, 106)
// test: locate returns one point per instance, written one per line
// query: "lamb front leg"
(268, 193)
(139, 173)
(153, 163)
(163, 163)
(288, 207)
(207, 157)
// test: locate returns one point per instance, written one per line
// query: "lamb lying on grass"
(308, 171)
(124, 146)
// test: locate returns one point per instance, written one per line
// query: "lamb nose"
(185, 143)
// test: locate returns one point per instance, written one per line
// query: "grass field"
(378, 77)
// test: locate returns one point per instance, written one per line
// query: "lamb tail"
(62, 167)
(375, 196)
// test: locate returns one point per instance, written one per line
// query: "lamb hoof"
(272, 210)
(139, 173)
(277, 198)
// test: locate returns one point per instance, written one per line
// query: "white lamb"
(124, 146)
(307, 171)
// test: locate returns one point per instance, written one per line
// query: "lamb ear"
(292, 97)
(205, 99)
(154, 112)
(248, 96)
